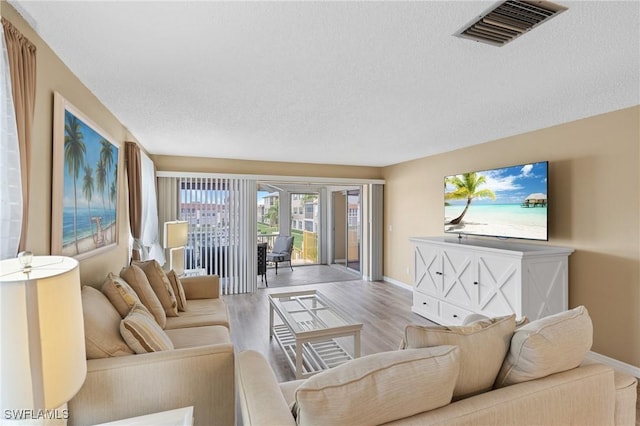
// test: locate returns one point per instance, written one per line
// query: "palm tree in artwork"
(106, 158)
(74, 152)
(467, 187)
(101, 183)
(113, 191)
(87, 190)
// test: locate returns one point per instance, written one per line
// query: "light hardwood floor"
(383, 308)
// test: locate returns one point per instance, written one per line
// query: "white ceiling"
(359, 83)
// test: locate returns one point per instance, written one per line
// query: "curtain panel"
(21, 54)
(11, 188)
(149, 233)
(134, 178)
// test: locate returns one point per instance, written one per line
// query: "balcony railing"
(304, 251)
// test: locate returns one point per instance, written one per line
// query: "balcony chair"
(282, 249)
(262, 262)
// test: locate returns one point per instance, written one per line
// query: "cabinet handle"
(455, 316)
(424, 303)
(475, 283)
(438, 273)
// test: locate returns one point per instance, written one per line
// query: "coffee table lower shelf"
(316, 355)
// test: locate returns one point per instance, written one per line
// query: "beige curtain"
(22, 65)
(168, 201)
(134, 177)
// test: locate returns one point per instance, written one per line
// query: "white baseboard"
(397, 283)
(614, 363)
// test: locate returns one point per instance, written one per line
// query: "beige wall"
(53, 75)
(593, 207)
(217, 165)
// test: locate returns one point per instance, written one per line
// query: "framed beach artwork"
(85, 184)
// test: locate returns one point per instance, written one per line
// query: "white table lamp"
(42, 360)
(175, 238)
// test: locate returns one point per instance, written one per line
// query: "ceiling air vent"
(508, 20)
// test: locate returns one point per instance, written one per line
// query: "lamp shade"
(175, 234)
(43, 360)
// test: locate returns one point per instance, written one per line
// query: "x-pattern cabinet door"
(458, 276)
(498, 285)
(428, 270)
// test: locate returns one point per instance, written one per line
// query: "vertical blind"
(222, 216)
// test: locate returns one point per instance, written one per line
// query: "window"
(222, 232)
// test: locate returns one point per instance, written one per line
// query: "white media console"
(456, 277)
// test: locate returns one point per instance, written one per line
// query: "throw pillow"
(139, 282)
(142, 333)
(379, 388)
(546, 346)
(483, 346)
(120, 294)
(160, 285)
(178, 290)
(102, 337)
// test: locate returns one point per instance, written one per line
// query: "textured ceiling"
(360, 83)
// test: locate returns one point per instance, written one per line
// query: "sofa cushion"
(379, 388)
(160, 285)
(142, 333)
(178, 290)
(547, 346)
(138, 281)
(101, 326)
(483, 346)
(198, 336)
(201, 312)
(120, 294)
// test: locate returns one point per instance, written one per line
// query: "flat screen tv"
(508, 202)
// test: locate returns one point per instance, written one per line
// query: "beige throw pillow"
(546, 346)
(483, 346)
(101, 326)
(379, 388)
(142, 333)
(139, 282)
(120, 294)
(160, 285)
(178, 290)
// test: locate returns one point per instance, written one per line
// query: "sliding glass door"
(221, 215)
(305, 227)
(347, 229)
(354, 230)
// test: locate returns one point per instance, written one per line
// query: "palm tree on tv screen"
(467, 186)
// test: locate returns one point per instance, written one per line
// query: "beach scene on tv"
(509, 202)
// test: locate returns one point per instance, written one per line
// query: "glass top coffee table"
(306, 329)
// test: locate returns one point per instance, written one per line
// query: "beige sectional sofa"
(540, 378)
(197, 369)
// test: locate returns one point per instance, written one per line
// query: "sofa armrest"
(134, 385)
(260, 398)
(626, 395)
(201, 287)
